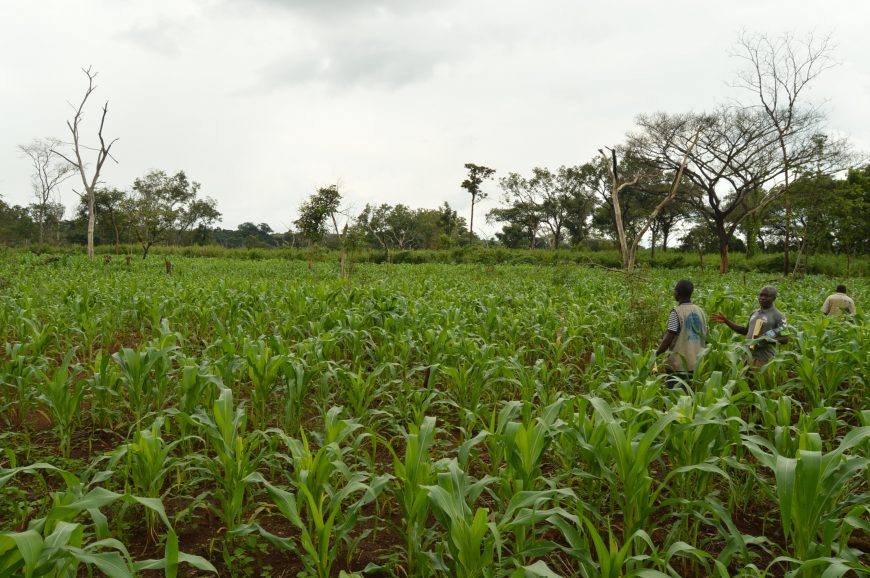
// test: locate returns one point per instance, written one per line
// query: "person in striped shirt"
(685, 337)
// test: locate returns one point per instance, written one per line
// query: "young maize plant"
(412, 474)
(264, 370)
(136, 371)
(633, 445)
(147, 462)
(297, 379)
(816, 506)
(700, 438)
(104, 385)
(37, 338)
(603, 556)
(361, 391)
(18, 375)
(236, 456)
(62, 393)
(467, 384)
(471, 539)
(821, 369)
(326, 500)
(56, 545)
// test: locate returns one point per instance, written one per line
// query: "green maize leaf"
(96, 498)
(171, 555)
(110, 563)
(155, 505)
(65, 534)
(537, 570)
(30, 546)
(197, 562)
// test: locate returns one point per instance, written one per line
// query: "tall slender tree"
(778, 71)
(476, 175)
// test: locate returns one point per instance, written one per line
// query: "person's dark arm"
(719, 318)
(666, 342)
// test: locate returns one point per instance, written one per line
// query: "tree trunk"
(471, 222)
(343, 263)
(42, 230)
(92, 220)
(723, 256)
(145, 248)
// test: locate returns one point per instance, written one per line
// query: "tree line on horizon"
(762, 176)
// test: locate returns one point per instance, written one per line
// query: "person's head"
(683, 290)
(766, 296)
(841, 288)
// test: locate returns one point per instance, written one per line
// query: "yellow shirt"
(837, 304)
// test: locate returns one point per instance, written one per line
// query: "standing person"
(685, 337)
(839, 303)
(765, 329)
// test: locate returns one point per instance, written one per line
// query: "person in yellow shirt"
(839, 303)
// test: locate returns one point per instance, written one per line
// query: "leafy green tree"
(451, 224)
(318, 210)
(111, 220)
(16, 225)
(161, 204)
(520, 211)
(828, 214)
(316, 213)
(556, 201)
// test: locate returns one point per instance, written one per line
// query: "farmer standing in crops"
(839, 303)
(767, 327)
(685, 337)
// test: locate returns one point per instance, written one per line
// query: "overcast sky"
(262, 101)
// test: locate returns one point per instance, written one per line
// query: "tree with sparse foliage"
(737, 155)
(779, 70)
(476, 175)
(48, 173)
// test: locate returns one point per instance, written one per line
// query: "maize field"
(260, 418)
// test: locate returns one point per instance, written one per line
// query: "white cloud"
(263, 100)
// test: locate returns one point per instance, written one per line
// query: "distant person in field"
(767, 326)
(839, 303)
(686, 336)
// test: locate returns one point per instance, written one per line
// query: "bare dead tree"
(48, 174)
(616, 188)
(103, 153)
(629, 252)
(778, 70)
